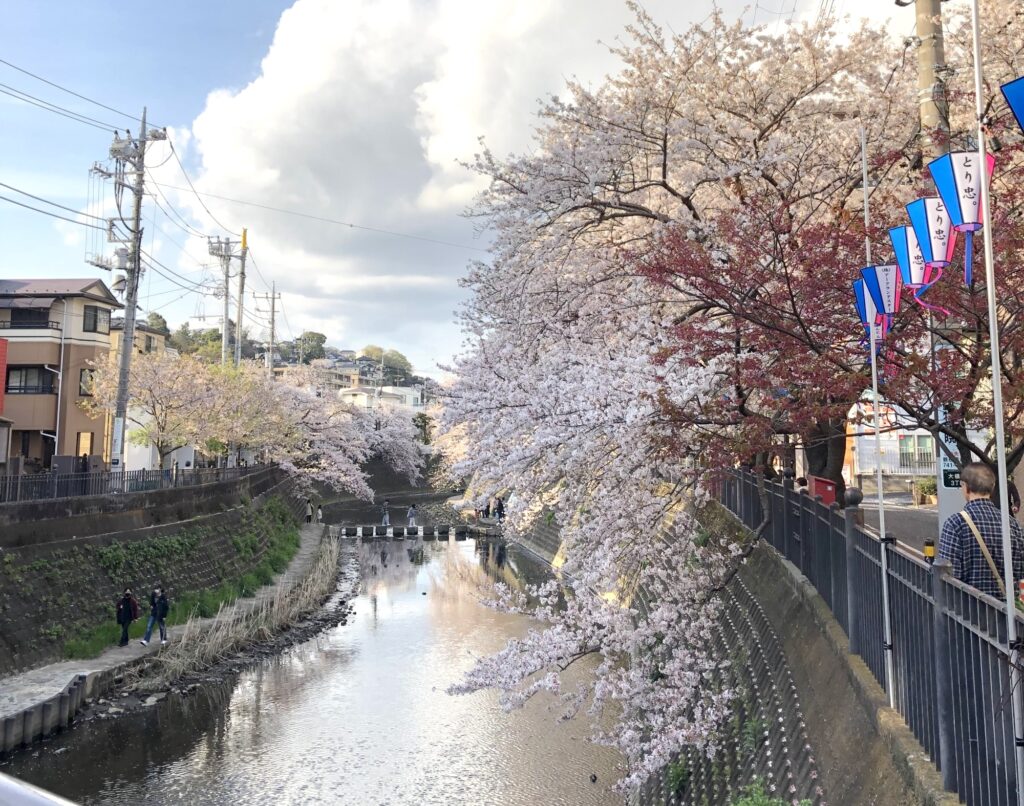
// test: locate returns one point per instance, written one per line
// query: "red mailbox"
(816, 485)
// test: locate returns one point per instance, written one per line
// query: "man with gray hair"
(972, 540)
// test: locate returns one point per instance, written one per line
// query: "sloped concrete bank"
(810, 723)
(40, 702)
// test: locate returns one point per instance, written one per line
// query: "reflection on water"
(358, 715)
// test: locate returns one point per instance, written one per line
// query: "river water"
(358, 715)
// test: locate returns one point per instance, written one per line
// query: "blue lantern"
(883, 284)
(1014, 94)
(957, 177)
(868, 314)
(914, 270)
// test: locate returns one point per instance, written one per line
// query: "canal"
(357, 715)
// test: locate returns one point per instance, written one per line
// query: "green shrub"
(754, 795)
(926, 486)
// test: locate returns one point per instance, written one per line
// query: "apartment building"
(54, 328)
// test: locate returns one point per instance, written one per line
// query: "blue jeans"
(149, 628)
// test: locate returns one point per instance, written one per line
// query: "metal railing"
(42, 324)
(951, 664)
(47, 486)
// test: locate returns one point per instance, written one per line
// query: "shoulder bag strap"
(984, 550)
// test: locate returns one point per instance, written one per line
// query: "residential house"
(402, 398)
(5, 424)
(54, 329)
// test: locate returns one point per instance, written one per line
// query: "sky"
(357, 111)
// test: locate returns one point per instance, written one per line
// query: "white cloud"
(360, 113)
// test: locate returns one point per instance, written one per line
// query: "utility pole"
(241, 299)
(273, 296)
(133, 153)
(931, 62)
(221, 247)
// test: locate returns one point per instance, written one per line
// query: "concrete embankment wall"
(31, 523)
(53, 589)
(805, 723)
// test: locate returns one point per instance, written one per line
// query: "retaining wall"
(32, 522)
(805, 723)
(51, 590)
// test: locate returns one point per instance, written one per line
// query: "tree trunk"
(825, 446)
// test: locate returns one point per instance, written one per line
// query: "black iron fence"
(46, 486)
(951, 663)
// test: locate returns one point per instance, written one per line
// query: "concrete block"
(64, 709)
(12, 732)
(33, 724)
(51, 715)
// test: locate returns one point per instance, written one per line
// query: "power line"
(259, 274)
(198, 286)
(184, 225)
(55, 109)
(53, 203)
(331, 220)
(70, 92)
(198, 196)
(53, 215)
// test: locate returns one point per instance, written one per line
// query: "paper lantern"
(957, 177)
(914, 271)
(936, 237)
(868, 313)
(883, 284)
(1014, 94)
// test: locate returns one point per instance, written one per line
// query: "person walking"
(309, 510)
(499, 510)
(127, 612)
(385, 513)
(411, 515)
(972, 539)
(159, 607)
(319, 514)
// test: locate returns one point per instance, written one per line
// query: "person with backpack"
(159, 607)
(127, 612)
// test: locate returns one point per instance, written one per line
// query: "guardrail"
(951, 663)
(47, 486)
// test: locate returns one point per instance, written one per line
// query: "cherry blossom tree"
(611, 357)
(170, 399)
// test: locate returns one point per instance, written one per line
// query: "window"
(30, 317)
(149, 344)
(84, 444)
(85, 382)
(97, 319)
(29, 381)
(916, 451)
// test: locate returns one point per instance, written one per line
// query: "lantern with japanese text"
(957, 177)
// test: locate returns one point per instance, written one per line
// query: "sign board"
(117, 443)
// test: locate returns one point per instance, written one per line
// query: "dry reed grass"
(205, 642)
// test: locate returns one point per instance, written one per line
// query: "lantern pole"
(997, 410)
(886, 620)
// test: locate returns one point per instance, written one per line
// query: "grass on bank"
(282, 545)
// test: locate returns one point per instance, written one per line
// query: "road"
(907, 523)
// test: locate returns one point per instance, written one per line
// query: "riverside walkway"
(36, 702)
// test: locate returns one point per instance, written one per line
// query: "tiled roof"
(89, 287)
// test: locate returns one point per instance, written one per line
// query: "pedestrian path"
(22, 692)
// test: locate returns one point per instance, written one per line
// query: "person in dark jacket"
(127, 612)
(1013, 496)
(158, 609)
